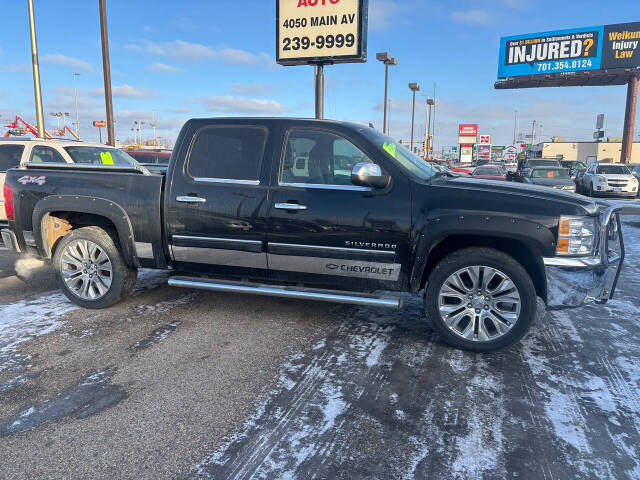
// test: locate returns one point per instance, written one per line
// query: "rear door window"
(10, 156)
(41, 154)
(227, 153)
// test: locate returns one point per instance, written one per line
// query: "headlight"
(576, 235)
(600, 178)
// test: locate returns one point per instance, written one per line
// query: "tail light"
(8, 202)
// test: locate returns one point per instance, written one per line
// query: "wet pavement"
(175, 383)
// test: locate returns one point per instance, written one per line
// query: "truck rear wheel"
(480, 299)
(90, 269)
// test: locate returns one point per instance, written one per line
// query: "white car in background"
(609, 179)
(14, 153)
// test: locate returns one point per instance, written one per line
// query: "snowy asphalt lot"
(175, 383)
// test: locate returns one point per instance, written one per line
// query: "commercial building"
(586, 152)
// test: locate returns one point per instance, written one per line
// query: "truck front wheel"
(90, 269)
(480, 299)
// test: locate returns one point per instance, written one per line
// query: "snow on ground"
(381, 397)
(28, 318)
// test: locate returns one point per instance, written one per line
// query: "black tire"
(123, 277)
(591, 194)
(495, 259)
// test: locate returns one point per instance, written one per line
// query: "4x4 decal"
(40, 180)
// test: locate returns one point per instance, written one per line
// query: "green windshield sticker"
(106, 158)
(390, 148)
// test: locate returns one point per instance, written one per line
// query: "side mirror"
(369, 175)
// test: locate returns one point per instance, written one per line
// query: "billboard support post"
(629, 119)
(320, 91)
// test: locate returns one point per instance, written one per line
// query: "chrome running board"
(286, 292)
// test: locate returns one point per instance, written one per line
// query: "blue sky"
(216, 57)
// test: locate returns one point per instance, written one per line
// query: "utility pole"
(414, 87)
(388, 60)
(106, 67)
(515, 126)
(37, 89)
(629, 119)
(75, 95)
(153, 124)
(533, 133)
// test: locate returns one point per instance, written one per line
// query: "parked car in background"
(490, 172)
(466, 168)
(14, 153)
(553, 177)
(571, 165)
(636, 171)
(151, 157)
(609, 179)
(524, 166)
(577, 175)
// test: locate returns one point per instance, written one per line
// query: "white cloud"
(257, 88)
(473, 17)
(187, 51)
(158, 67)
(64, 60)
(517, 4)
(118, 91)
(18, 67)
(231, 104)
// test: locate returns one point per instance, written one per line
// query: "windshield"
(556, 173)
(495, 171)
(613, 170)
(542, 163)
(100, 156)
(415, 165)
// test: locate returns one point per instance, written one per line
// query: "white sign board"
(321, 31)
(465, 140)
(485, 139)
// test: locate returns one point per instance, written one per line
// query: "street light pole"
(427, 140)
(515, 126)
(106, 67)
(388, 60)
(414, 87)
(37, 89)
(75, 94)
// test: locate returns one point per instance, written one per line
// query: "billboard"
(485, 140)
(468, 130)
(574, 50)
(321, 31)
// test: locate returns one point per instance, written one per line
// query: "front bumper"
(573, 282)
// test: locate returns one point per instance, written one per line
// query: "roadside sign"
(600, 121)
(485, 140)
(578, 49)
(321, 31)
(100, 124)
(467, 130)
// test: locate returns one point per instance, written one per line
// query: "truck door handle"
(290, 206)
(187, 199)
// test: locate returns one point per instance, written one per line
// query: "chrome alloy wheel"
(479, 303)
(86, 269)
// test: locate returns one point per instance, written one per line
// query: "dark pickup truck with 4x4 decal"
(318, 210)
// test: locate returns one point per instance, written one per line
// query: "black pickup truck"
(318, 210)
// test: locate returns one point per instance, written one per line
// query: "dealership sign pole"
(319, 33)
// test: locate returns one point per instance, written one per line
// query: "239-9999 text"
(321, 41)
